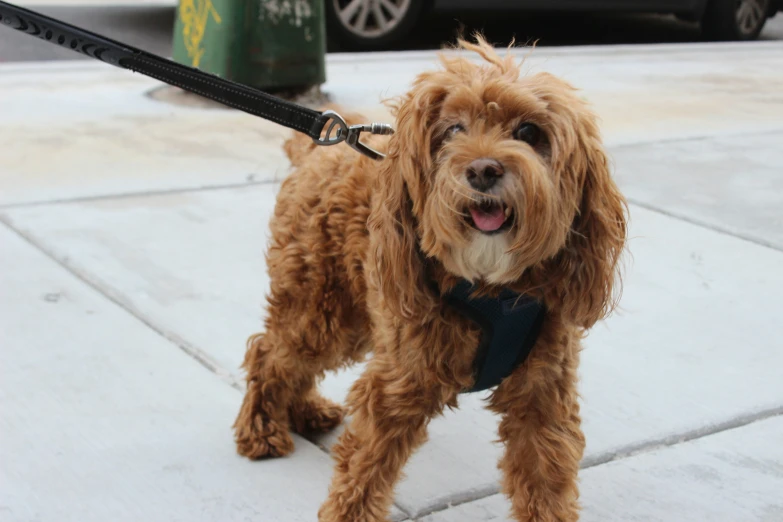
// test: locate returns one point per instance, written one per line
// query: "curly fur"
(354, 243)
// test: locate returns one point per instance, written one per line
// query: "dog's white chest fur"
(486, 257)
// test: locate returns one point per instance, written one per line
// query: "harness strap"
(510, 326)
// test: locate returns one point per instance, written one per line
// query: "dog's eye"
(455, 129)
(529, 133)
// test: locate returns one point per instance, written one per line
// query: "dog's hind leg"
(317, 316)
(315, 414)
(309, 412)
(283, 364)
(281, 396)
(261, 428)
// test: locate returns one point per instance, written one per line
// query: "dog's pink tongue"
(488, 221)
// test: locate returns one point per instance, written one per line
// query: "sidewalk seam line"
(546, 52)
(210, 364)
(681, 438)
(404, 511)
(627, 452)
(229, 186)
(473, 496)
(687, 139)
(118, 299)
(140, 194)
(703, 224)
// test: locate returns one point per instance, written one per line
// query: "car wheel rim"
(370, 18)
(749, 14)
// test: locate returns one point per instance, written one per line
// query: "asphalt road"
(150, 28)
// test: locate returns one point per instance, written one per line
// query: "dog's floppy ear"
(589, 263)
(398, 204)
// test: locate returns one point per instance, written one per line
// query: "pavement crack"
(118, 299)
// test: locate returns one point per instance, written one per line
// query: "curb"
(568, 50)
(431, 55)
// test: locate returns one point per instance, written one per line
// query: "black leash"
(231, 94)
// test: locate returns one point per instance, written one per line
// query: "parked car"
(376, 24)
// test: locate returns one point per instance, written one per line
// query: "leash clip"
(338, 131)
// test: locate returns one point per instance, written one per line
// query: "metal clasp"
(338, 131)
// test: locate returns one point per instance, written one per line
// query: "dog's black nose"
(483, 173)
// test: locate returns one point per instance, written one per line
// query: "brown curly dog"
(490, 177)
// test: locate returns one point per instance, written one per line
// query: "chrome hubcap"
(371, 18)
(749, 14)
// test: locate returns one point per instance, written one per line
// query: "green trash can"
(267, 44)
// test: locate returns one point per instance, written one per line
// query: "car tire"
(344, 22)
(734, 20)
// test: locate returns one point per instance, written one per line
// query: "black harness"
(510, 325)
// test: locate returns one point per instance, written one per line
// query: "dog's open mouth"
(490, 216)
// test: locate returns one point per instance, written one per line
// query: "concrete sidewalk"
(131, 263)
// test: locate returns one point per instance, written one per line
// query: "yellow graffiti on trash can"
(195, 15)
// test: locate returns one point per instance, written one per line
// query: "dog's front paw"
(316, 415)
(260, 438)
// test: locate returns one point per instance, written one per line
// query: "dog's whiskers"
(444, 203)
(473, 195)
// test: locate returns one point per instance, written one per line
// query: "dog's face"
(504, 175)
(496, 199)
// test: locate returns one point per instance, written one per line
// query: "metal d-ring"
(338, 131)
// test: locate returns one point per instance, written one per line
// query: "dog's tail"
(299, 145)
